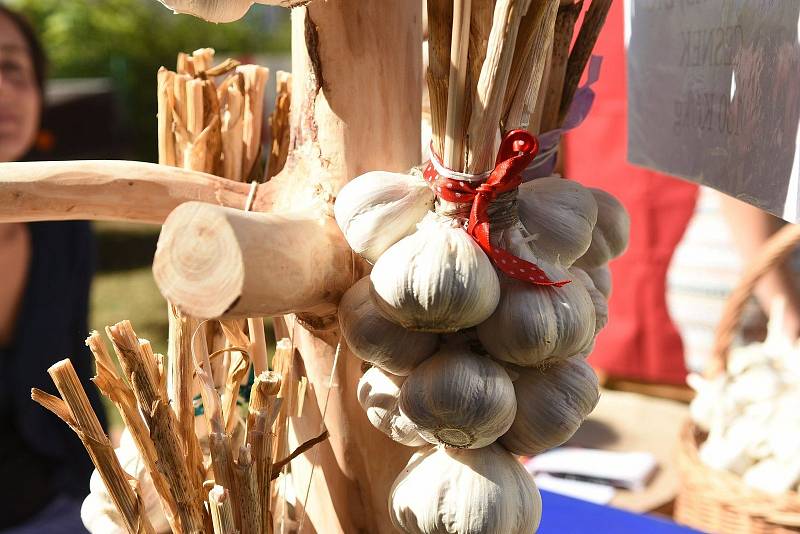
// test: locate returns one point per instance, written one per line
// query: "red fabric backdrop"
(640, 341)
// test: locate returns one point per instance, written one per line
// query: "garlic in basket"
(437, 279)
(560, 215)
(533, 323)
(611, 232)
(459, 399)
(469, 491)
(552, 402)
(377, 340)
(377, 209)
(378, 392)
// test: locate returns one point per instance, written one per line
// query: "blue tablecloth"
(565, 515)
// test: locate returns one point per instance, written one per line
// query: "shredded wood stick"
(565, 28)
(166, 103)
(584, 44)
(247, 482)
(262, 411)
(454, 128)
(526, 97)
(239, 358)
(255, 80)
(303, 447)
(440, 22)
(480, 27)
(221, 514)
(180, 386)
(232, 101)
(279, 124)
(163, 426)
(487, 103)
(282, 362)
(258, 344)
(219, 439)
(120, 393)
(76, 411)
(523, 49)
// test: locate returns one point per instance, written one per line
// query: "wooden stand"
(356, 107)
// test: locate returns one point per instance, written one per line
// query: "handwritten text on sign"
(714, 95)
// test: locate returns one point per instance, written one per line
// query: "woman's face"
(20, 102)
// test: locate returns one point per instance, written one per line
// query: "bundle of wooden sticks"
(218, 476)
(501, 65)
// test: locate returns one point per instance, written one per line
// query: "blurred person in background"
(644, 343)
(45, 275)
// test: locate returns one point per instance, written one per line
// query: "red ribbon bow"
(517, 150)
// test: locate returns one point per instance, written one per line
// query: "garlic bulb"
(221, 10)
(459, 398)
(471, 491)
(377, 209)
(534, 323)
(378, 393)
(437, 279)
(601, 276)
(377, 340)
(610, 234)
(552, 402)
(560, 215)
(99, 513)
(598, 299)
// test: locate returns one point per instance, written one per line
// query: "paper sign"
(714, 95)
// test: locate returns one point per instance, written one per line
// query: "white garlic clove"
(552, 402)
(436, 280)
(598, 299)
(533, 323)
(611, 233)
(774, 476)
(758, 383)
(706, 404)
(378, 394)
(560, 215)
(375, 339)
(459, 399)
(471, 491)
(377, 209)
(601, 276)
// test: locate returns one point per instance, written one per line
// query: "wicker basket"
(717, 501)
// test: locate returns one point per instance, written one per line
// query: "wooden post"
(357, 78)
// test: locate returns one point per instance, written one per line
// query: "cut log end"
(198, 263)
(213, 262)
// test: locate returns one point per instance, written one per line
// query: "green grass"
(123, 287)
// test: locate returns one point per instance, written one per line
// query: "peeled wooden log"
(213, 261)
(112, 190)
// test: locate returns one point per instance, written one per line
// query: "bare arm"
(751, 227)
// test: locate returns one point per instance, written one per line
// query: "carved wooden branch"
(214, 261)
(112, 190)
